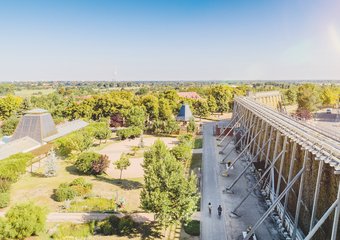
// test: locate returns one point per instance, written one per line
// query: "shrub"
(191, 127)
(185, 138)
(100, 165)
(64, 192)
(118, 226)
(4, 199)
(12, 167)
(182, 152)
(109, 226)
(78, 187)
(85, 161)
(75, 142)
(81, 187)
(126, 226)
(130, 132)
(192, 228)
(5, 185)
(2, 228)
(25, 220)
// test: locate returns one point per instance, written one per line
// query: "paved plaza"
(229, 227)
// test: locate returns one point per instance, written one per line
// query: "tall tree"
(9, 105)
(223, 95)
(212, 104)
(201, 108)
(290, 96)
(167, 192)
(165, 111)
(136, 117)
(330, 96)
(308, 98)
(150, 102)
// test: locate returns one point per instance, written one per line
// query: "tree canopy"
(167, 192)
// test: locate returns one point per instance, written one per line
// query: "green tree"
(102, 131)
(9, 105)
(25, 220)
(136, 117)
(330, 96)
(165, 111)
(308, 98)
(201, 108)
(122, 164)
(212, 104)
(26, 104)
(9, 125)
(172, 96)
(223, 95)
(85, 161)
(290, 96)
(150, 102)
(182, 152)
(167, 192)
(191, 125)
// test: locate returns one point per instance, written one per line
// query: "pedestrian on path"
(209, 207)
(219, 210)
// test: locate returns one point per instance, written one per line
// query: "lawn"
(198, 143)
(31, 92)
(39, 189)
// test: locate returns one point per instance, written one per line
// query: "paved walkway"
(212, 227)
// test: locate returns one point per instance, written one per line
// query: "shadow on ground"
(123, 183)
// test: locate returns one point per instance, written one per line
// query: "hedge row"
(10, 170)
(12, 167)
(130, 132)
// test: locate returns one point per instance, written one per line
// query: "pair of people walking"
(219, 209)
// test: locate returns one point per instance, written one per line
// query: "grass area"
(198, 143)
(196, 161)
(39, 189)
(92, 204)
(65, 230)
(31, 92)
(192, 228)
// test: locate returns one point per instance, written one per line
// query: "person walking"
(209, 207)
(219, 210)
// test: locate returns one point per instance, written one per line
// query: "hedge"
(192, 228)
(130, 132)
(12, 167)
(4, 199)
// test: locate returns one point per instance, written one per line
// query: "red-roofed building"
(190, 95)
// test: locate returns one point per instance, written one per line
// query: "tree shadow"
(150, 230)
(73, 170)
(37, 174)
(123, 183)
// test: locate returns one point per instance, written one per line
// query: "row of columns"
(267, 143)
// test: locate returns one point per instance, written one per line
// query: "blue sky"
(169, 40)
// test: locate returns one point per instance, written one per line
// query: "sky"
(169, 40)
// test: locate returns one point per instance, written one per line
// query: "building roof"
(37, 124)
(66, 128)
(185, 113)
(191, 95)
(36, 111)
(21, 145)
